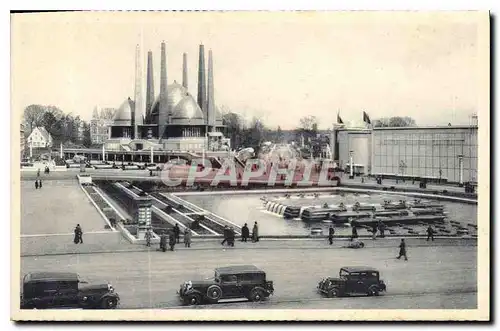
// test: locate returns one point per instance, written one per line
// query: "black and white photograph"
(250, 166)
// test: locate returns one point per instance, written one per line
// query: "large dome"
(187, 112)
(123, 115)
(182, 106)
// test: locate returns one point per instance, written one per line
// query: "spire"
(163, 113)
(202, 92)
(150, 89)
(184, 71)
(95, 114)
(210, 93)
(138, 105)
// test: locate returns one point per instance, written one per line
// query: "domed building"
(173, 120)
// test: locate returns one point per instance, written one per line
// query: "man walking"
(331, 232)
(231, 235)
(402, 250)
(187, 238)
(245, 233)
(148, 237)
(171, 240)
(78, 234)
(430, 233)
(226, 235)
(36, 184)
(163, 242)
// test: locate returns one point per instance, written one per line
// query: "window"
(229, 279)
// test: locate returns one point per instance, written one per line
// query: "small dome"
(123, 115)
(187, 112)
(175, 94)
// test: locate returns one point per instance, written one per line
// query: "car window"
(343, 273)
(354, 275)
(229, 279)
(253, 278)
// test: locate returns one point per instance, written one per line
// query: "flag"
(339, 119)
(366, 118)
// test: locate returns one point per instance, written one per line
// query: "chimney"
(202, 92)
(163, 113)
(210, 93)
(184, 71)
(150, 88)
(138, 111)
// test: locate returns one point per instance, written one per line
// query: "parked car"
(232, 282)
(45, 290)
(353, 280)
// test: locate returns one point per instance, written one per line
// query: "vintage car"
(46, 290)
(353, 280)
(232, 282)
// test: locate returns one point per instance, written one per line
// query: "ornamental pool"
(249, 208)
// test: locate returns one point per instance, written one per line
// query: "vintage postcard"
(250, 166)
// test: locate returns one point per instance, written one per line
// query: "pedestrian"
(245, 233)
(402, 250)
(354, 232)
(38, 173)
(187, 238)
(231, 235)
(430, 233)
(36, 184)
(331, 232)
(255, 233)
(381, 228)
(147, 236)
(163, 242)
(374, 231)
(40, 184)
(177, 233)
(171, 240)
(78, 234)
(226, 235)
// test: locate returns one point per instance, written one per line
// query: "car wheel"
(214, 292)
(373, 291)
(109, 303)
(333, 293)
(256, 295)
(193, 299)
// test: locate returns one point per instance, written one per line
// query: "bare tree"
(33, 115)
(395, 121)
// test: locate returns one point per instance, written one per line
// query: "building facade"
(446, 152)
(100, 125)
(40, 138)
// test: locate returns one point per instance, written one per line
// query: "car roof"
(51, 276)
(359, 269)
(238, 269)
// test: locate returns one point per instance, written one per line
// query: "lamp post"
(351, 165)
(461, 170)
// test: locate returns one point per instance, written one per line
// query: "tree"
(33, 115)
(309, 123)
(279, 135)
(395, 121)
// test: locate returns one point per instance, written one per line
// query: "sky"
(277, 66)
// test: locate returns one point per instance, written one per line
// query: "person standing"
(430, 233)
(40, 183)
(255, 233)
(374, 231)
(148, 237)
(171, 240)
(245, 233)
(331, 232)
(402, 250)
(36, 184)
(163, 242)
(187, 238)
(177, 233)
(381, 228)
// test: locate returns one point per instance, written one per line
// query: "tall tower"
(150, 89)
(210, 94)
(202, 90)
(138, 105)
(163, 113)
(184, 71)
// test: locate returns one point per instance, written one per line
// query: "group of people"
(229, 234)
(38, 181)
(173, 238)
